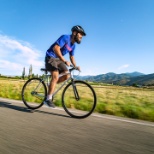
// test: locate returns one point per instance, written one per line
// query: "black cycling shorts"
(55, 64)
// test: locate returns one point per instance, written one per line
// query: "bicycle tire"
(34, 93)
(84, 105)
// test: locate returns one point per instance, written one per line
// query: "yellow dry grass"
(116, 100)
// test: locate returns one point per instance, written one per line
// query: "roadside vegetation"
(132, 102)
(129, 102)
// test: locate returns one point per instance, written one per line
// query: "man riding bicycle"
(55, 61)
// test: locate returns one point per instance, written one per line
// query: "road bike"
(78, 97)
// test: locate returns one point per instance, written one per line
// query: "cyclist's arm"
(57, 51)
(72, 59)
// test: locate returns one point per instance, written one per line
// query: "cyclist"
(55, 61)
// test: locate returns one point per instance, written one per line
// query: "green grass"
(11, 89)
(129, 102)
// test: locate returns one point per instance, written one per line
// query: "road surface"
(52, 131)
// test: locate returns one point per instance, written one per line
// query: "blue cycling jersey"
(65, 46)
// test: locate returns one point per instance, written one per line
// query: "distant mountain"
(133, 74)
(121, 79)
(142, 80)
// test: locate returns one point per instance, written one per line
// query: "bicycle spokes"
(79, 99)
(34, 93)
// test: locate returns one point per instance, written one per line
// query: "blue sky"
(120, 34)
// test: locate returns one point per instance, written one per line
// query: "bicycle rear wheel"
(79, 99)
(34, 93)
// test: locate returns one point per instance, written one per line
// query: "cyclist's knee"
(55, 76)
(67, 76)
(55, 79)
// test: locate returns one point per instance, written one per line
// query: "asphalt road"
(52, 131)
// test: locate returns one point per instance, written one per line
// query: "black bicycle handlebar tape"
(72, 66)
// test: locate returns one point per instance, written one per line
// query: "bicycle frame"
(46, 77)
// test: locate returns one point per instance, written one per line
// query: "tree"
(30, 71)
(23, 73)
(134, 84)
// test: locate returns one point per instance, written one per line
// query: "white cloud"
(123, 66)
(16, 54)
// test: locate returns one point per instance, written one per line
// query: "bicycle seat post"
(45, 76)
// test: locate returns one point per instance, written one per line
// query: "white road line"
(146, 123)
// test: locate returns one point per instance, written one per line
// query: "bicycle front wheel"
(79, 99)
(34, 93)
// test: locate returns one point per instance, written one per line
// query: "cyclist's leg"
(64, 77)
(53, 82)
(55, 66)
(51, 65)
(62, 70)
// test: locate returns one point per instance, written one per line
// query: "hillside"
(121, 79)
(143, 80)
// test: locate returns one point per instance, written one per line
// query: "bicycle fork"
(76, 94)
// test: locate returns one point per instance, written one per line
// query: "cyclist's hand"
(78, 68)
(67, 63)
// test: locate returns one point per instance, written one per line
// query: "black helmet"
(78, 29)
